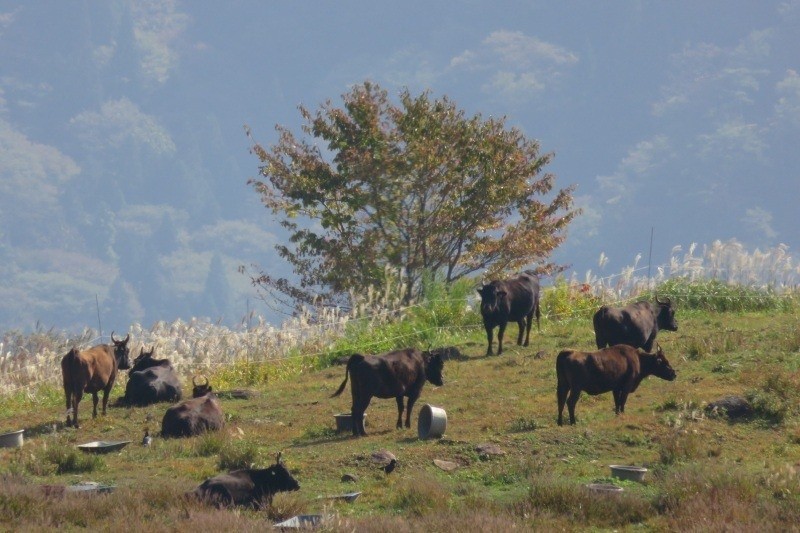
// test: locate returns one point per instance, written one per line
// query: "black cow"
(254, 487)
(151, 380)
(193, 417)
(92, 370)
(618, 369)
(510, 300)
(636, 324)
(397, 374)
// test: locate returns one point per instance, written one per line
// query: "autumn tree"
(416, 186)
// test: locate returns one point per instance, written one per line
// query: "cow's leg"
(500, 332)
(68, 394)
(106, 391)
(411, 400)
(561, 394)
(76, 400)
(95, 399)
(357, 413)
(399, 412)
(574, 395)
(623, 397)
(528, 324)
(616, 393)
(489, 339)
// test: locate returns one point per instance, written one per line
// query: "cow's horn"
(278, 458)
(112, 337)
(194, 381)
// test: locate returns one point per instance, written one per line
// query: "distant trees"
(417, 186)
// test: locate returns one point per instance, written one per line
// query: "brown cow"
(193, 417)
(618, 369)
(397, 374)
(92, 370)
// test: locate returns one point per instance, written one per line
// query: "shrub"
(718, 296)
(238, 454)
(566, 300)
(68, 460)
(777, 398)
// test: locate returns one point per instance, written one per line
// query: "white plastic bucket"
(12, 440)
(432, 422)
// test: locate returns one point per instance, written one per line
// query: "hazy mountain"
(123, 159)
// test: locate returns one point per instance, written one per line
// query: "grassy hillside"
(705, 472)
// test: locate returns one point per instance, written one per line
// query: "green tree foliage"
(416, 186)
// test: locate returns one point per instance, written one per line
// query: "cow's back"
(391, 374)
(600, 371)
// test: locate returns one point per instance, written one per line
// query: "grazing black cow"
(619, 369)
(92, 370)
(510, 300)
(193, 417)
(397, 374)
(636, 324)
(151, 380)
(254, 487)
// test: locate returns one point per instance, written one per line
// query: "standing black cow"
(151, 380)
(392, 375)
(636, 324)
(511, 300)
(249, 486)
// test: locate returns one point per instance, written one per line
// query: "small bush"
(70, 461)
(420, 496)
(777, 398)
(680, 446)
(520, 425)
(566, 300)
(209, 443)
(238, 454)
(718, 296)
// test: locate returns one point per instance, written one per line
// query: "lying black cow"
(193, 417)
(396, 375)
(254, 487)
(151, 380)
(510, 300)
(618, 369)
(636, 324)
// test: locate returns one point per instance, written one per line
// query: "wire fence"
(29, 361)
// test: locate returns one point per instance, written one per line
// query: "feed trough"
(103, 446)
(301, 521)
(344, 422)
(12, 440)
(604, 488)
(349, 497)
(632, 473)
(89, 487)
(432, 422)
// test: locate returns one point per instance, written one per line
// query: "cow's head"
(666, 315)
(434, 364)
(279, 478)
(142, 360)
(662, 367)
(491, 296)
(121, 352)
(200, 389)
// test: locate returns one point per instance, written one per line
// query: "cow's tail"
(538, 311)
(350, 362)
(561, 368)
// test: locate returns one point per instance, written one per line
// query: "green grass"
(705, 473)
